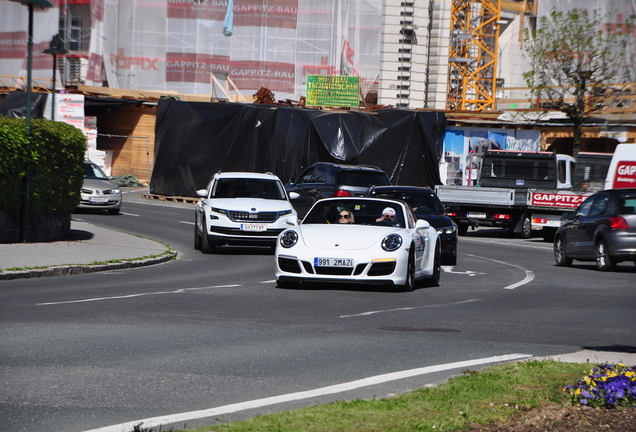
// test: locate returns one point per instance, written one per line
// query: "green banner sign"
(333, 90)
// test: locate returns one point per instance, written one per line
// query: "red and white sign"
(556, 199)
(267, 13)
(625, 175)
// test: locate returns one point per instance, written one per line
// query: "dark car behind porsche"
(426, 205)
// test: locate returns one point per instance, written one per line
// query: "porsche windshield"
(362, 211)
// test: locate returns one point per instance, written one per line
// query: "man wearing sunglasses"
(388, 217)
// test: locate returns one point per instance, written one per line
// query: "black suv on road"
(324, 179)
(426, 205)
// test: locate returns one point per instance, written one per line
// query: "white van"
(622, 169)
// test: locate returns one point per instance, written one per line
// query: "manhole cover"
(418, 329)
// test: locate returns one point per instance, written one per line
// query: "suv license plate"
(253, 227)
(476, 214)
(333, 262)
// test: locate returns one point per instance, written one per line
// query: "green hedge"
(56, 167)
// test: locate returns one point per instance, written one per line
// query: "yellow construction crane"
(472, 63)
(473, 54)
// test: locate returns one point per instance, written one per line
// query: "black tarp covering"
(196, 139)
(14, 106)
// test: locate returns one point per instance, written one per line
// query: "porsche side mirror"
(292, 220)
(422, 223)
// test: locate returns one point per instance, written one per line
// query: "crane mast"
(473, 54)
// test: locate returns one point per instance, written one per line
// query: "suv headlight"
(392, 242)
(446, 230)
(288, 239)
(285, 212)
(218, 210)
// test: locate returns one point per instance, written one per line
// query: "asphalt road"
(88, 351)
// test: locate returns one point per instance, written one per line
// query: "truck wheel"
(603, 261)
(462, 228)
(559, 253)
(526, 227)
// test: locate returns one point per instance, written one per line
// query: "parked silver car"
(602, 229)
(99, 192)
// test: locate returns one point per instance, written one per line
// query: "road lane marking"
(547, 246)
(187, 222)
(156, 422)
(182, 290)
(408, 308)
(130, 214)
(529, 274)
(449, 269)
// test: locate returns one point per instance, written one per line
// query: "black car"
(324, 180)
(426, 205)
(602, 229)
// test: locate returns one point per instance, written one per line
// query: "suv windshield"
(248, 188)
(363, 178)
(420, 202)
(92, 171)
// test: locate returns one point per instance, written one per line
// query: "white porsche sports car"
(358, 240)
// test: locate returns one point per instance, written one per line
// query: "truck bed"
(481, 195)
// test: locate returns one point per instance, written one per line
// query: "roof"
(404, 188)
(350, 167)
(246, 175)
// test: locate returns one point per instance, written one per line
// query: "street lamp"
(56, 47)
(32, 5)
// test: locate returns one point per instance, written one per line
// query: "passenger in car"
(345, 217)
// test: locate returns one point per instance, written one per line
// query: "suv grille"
(260, 217)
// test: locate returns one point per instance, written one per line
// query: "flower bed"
(606, 386)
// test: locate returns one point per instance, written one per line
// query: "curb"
(82, 269)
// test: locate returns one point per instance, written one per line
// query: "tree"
(574, 55)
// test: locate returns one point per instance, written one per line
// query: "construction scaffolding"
(472, 65)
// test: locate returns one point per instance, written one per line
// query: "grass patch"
(483, 397)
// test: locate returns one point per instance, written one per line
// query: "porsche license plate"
(476, 214)
(253, 227)
(333, 262)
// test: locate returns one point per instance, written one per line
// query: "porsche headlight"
(288, 239)
(392, 242)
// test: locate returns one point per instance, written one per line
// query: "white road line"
(408, 308)
(187, 222)
(449, 269)
(529, 274)
(136, 295)
(268, 281)
(546, 246)
(130, 214)
(155, 422)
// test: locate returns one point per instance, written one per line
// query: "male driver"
(388, 217)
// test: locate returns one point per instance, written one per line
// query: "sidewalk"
(88, 249)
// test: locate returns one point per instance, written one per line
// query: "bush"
(56, 172)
